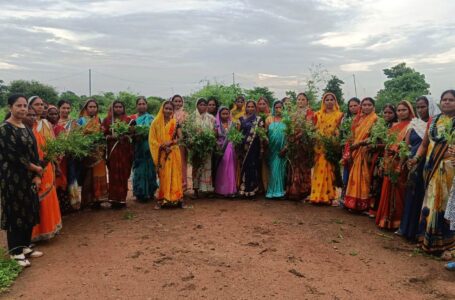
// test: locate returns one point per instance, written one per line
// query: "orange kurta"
(323, 188)
(358, 188)
(168, 166)
(50, 217)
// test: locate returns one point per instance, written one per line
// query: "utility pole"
(233, 78)
(355, 86)
(89, 82)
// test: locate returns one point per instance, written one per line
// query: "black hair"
(168, 102)
(394, 109)
(448, 91)
(63, 102)
(14, 97)
(302, 94)
(141, 98)
(367, 99)
(201, 100)
(176, 96)
(240, 97)
(217, 104)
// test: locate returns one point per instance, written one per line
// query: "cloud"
(7, 66)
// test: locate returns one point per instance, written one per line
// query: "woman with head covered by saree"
(163, 140)
(323, 181)
(180, 115)
(94, 176)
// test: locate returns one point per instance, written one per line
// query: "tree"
(75, 100)
(292, 95)
(311, 92)
(225, 94)
(32, 88)
(3, 93)
(257, 92)
(334, 86)
(154, 104)
(404, 83)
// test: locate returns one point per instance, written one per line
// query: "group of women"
(412, 194)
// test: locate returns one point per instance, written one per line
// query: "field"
(229, 249)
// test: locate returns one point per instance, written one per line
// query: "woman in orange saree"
(358, 195)
(94, 178)
(163, 139)
(323, 181)
(50, 217)
(393, 191)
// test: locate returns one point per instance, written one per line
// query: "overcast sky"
(166, 47)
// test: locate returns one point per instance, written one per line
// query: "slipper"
(450, 266)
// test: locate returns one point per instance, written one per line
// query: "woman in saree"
(389, 113)
(239, 109)
(358, 192)
(119, 155)
(50, 217)
(202, 169)
(415, 191)
(94, 178)
(434, 232)
(323, 180)
(263, 112)
(276, 152)
(67, 186)
(391, 203)
(346, 123)
(20, 176)
(299, 171)
(163, 140)
(180, 115)
(249, 151)
(144, 175)
(225, 166)
(212, 109)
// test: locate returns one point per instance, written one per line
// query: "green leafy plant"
(234, 136)
(379, 132)
(261, 133)
(9, 270)
(120, 129)
(142, 131)
(448, 133)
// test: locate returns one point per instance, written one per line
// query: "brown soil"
(225, 249)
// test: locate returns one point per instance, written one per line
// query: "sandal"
(450, 266)
(21, 260)
(32, 253)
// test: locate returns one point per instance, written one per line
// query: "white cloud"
(7, 66)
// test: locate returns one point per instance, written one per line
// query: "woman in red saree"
(119, 155)
(358, 194)
(393, 191)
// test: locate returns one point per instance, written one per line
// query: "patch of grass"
(353, 253)
(9, 270)
(418, 251)
(128, 215)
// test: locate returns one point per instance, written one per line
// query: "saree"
(168, 166)
(391, 203)
(323, 189)
(249, 156)
(180, 115)
(202, 171)
(358, 187)
(276, 161)
(236, 113)
(299, 170)
(144, 175)
(94, 176)
(434, 233)
(225, 179)
(66, 182)
(50, 218)
(450, 210)
(264, 168)
(119, 160)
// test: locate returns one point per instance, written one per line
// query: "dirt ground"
(229, 249)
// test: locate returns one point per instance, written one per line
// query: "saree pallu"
(50, 217)
(168, 166)
(276, 162)
(226, 181)
(249, 156)
(358, 194)
(450, 210)
(391, 204)
(94, 175)
(144, 175)
(323, 189)
(434, 234)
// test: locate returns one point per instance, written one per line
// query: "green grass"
(9, 270)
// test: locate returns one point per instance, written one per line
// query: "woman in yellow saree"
(163, 139)
(327, 120)
(358, 188)
(239, 109)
